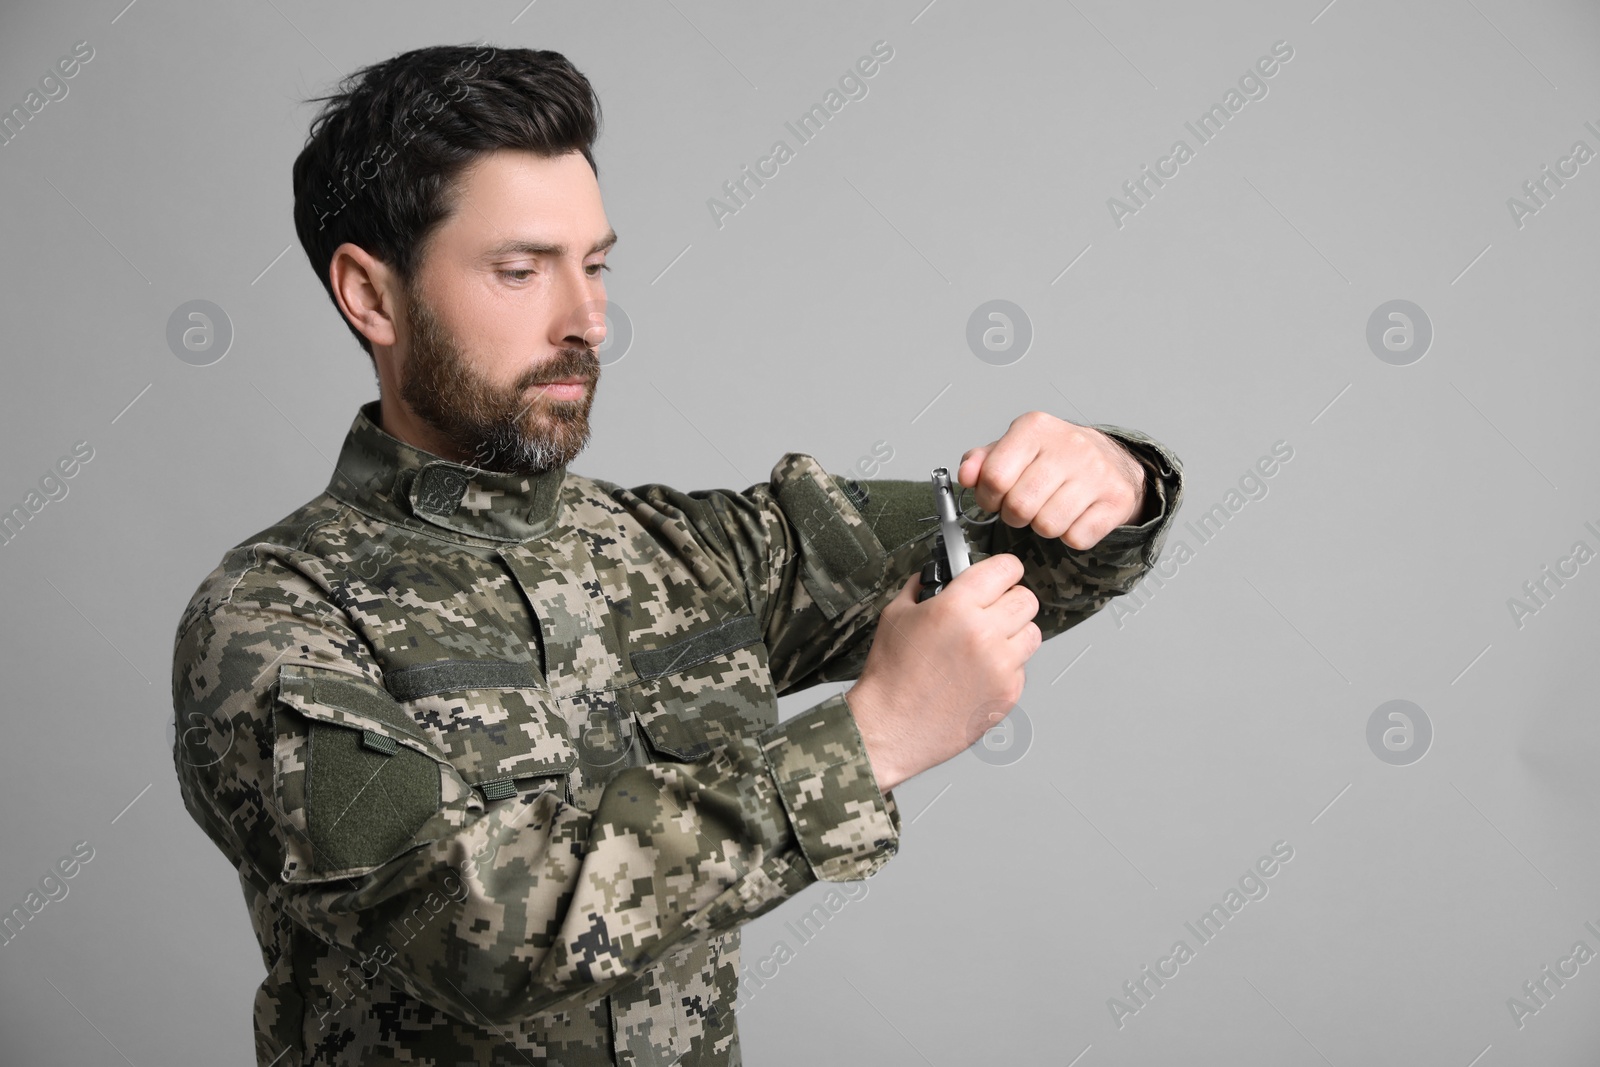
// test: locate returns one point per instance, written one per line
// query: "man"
(494, 746)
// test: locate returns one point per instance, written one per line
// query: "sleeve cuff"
(846, 826)
(1164, 472)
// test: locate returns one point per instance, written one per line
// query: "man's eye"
(512, 274)
(598, 267)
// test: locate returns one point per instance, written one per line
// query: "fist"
(1063, 480)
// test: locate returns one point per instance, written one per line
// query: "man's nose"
(587, 324)
(594, 335)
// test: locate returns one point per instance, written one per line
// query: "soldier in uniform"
(494, 746)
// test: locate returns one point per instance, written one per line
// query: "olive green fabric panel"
(363, 806)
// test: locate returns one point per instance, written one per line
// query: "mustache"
(567, 363)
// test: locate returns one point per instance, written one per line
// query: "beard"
(499, 428)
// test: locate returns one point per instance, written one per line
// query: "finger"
(1032, 490)
(971, 464)
(1097, 520)
(982, 583)
(1058, 514)
(1004, 464)
(1025, 642)
(1015, 609)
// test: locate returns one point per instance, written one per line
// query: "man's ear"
(368, 293)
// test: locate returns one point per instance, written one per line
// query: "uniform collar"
(383, 476)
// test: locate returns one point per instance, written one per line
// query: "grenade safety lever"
(950, 555)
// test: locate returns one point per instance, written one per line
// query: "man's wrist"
(860, 701)
(1149, 502)
(1145, 484)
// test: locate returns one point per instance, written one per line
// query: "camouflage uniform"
(497, 757)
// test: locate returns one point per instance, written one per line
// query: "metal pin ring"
(962, 511)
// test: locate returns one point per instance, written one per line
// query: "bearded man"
(493, 746)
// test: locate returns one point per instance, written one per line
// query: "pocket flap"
(705, 689)
(335, 697)
(492, 736)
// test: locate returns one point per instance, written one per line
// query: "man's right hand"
(942, 672)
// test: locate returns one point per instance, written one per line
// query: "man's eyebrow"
(539, 248)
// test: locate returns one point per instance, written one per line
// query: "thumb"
(971, 464)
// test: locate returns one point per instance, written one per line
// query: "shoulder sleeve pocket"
(842, 559)
(357, 782)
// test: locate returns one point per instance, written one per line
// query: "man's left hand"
(1064, 480)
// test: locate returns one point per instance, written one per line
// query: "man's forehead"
(517, 202)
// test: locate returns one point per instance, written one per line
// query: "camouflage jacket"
(497, 757)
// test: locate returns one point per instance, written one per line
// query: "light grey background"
(1170, 748)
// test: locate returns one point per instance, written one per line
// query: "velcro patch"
(429, 679)
(362, 807)
(698, 647)
(839, 555)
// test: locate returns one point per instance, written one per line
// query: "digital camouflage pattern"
(497, 757)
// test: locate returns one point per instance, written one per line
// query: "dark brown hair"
(382, 156)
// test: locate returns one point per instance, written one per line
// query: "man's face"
(508, 303)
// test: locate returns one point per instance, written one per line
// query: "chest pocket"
(494, 721)
(698, 691)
